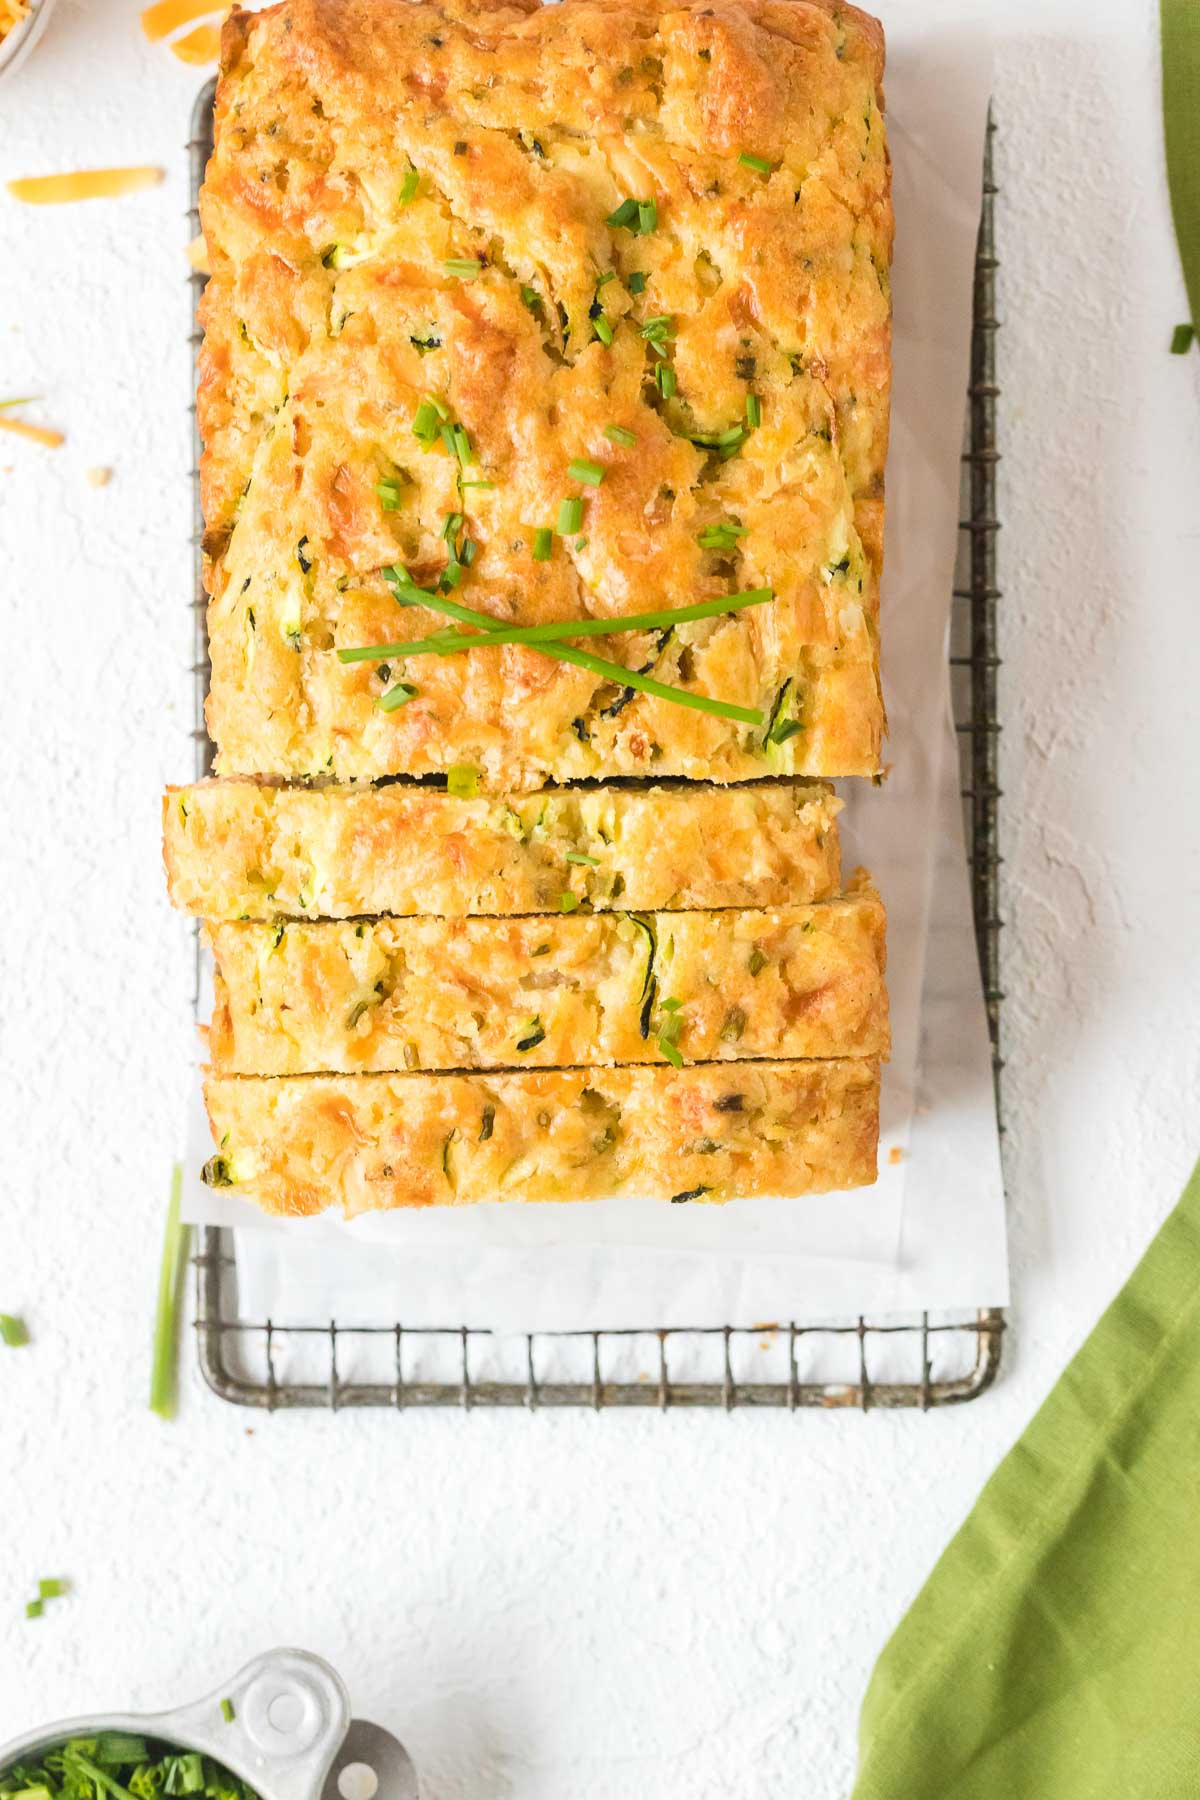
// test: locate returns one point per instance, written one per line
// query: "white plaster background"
(556, 1607)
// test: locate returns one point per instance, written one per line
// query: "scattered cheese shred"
(197, 255)
(159, 20)
(200, 46)
(98, 477)
(84, 184)
(40, 434)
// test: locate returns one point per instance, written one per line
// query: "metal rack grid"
(910, 1362)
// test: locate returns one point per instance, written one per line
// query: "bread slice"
(545, 992)
(712, 1132)
(247, 850)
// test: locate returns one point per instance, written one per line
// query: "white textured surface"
(560, 1607)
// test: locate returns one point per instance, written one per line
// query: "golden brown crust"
(244, 850)
(715, 1132)
(546, 992)
(330, 317)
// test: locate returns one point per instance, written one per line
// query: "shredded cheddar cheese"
(12, 14)
(166, 16)
(203, 45)
(197, 255)
(39, 434)
(84, 184)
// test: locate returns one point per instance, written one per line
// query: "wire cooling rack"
(921, 1361)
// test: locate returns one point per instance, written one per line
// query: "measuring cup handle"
(290, 1714)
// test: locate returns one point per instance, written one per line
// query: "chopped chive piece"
(397, 696)
(608, 275)
(753, 410)
(657, 329)
(463, 268)
(189, 1774)
(647, 217)
(543, 543)
(664, 375)
(115, 1747)
(409, 186)
(759, 164)
(671, 1005)
(722, 536)
(532, 1035)
(581, 543)
(532, 298)
(165, 1361)
(453, 524)
(568, 902)
(425, 422)
(469, 551)
(549, 640)
(603, 329)
(570, 517)
(715, 440)
(476, 484)
(446, 642)
(637, 282)
(620, 434)
(1182, 339)
(442, 411)
(667, 1048)
(13, 1331)
(54, 1589)
(462, 780)
(581, 469)
(452, 574)
(587, 862)
(389, 495)
(462, 446)
(446, 433)
(34, 1609)
(227, 1712)
(624, 215)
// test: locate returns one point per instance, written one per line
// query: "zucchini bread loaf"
(541, 315)
(715, 1132)
(298, 998)
(544, 404)
(253, 850)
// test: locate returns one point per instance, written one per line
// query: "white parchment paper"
(931, 1230)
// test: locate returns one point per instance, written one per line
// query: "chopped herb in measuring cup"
(119, 1765)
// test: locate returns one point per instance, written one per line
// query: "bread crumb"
(98, 477)
(895, 1154)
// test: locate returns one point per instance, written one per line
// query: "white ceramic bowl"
(20, 41)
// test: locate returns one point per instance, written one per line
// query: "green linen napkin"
(1181, 127)
(1055, 1652)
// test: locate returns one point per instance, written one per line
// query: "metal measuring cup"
(291, 1736)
